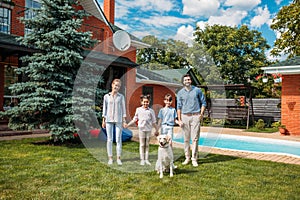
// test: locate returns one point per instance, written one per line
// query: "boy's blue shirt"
(167, 115)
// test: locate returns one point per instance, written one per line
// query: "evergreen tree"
(46, 96)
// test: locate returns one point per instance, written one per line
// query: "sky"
(177, 19)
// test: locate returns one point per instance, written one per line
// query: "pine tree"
(46, 97)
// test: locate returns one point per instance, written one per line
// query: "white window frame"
(5, 20)
(29, 12)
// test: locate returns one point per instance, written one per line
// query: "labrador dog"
(165, 156)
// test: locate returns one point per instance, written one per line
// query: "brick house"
(290, 96)
(120, 64)
(100, 23)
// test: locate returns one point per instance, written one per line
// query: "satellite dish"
(121, 40)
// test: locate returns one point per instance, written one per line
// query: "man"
(190, 109)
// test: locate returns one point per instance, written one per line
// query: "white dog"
(165, 156)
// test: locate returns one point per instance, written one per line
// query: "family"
(190, 109)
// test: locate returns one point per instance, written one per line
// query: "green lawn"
(38, 171)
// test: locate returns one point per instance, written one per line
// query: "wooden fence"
(266, 109)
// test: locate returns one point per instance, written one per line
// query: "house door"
(148, 90)
(111, 73)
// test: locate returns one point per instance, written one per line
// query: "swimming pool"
(247, 143)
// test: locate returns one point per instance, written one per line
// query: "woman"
(114, 115)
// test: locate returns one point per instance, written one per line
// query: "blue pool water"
(247, 143)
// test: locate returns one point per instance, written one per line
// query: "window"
(29, 13)
(10, 77)
(5, 20)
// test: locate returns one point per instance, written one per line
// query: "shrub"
(276, 124)
(260, 124)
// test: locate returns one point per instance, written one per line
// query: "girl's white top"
(145, 118)
(114, 108)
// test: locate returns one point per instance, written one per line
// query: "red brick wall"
(17, 28)
(135, 90)
(290, 103)
(130, 53)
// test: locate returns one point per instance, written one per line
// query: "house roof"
(10, 46)
(172, 74)
(93, 7)
(108, 59)
(168, 76)
(289, 62)
(287, 67)
(150, 77)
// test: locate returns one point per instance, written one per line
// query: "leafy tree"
(149, 55)
(46, 96)
(268, 89)
(287, 23)
(237, 52)
(175, 53)
(163, 54)
(203, 65)
(172, 54)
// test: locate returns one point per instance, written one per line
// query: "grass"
(265, 130)
(252, 128)
(32, 170)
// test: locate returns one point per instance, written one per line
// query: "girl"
(146, 120)
(114, 115)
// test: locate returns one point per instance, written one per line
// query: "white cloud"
(280, 57)
(228, 18)
(202, 24)
(141, 34)
(233, 13)
(124, 8)
(185, 34)
(121, 11)
(278, 2)
(157, 5)
(200, 7)
(262, 17)
(277, 33)
(122, 26)
(160, 21)
(242, 4)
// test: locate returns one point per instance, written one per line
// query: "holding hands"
(201, 116)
